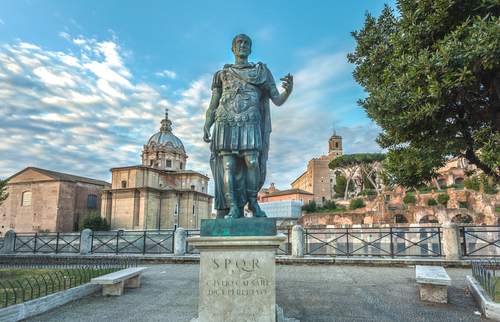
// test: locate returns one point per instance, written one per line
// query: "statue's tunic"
(242, 123)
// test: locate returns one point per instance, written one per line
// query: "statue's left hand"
(287, 83)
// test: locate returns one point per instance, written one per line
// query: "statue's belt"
(250, 116)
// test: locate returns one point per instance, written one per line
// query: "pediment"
(30, 175)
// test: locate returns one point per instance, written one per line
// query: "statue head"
(242, 46)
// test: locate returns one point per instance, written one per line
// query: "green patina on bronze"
(238, 227)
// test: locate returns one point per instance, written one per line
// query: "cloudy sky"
(84, 84)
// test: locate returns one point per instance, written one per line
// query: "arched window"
(192, 187)
(26, 201)
(92, 201)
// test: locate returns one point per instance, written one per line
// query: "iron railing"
(480, 241)
(286, 247)
(394, 242)
(47, 242)
(151, 242)
(47, 261)
(484, 270)
(15, 291)
(192, 233)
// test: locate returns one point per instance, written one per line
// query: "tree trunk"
(418, 195)
(437, 184)
(373, 183)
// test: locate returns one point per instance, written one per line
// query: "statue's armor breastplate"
(239, 102)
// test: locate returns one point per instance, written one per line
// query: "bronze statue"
(240, 139)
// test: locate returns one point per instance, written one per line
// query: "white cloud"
(64, 35)
(2, 22)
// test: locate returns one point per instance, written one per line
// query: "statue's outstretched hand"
(206, 135)
(287, 83)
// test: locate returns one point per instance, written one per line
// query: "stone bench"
(113, 284)
(433, 282)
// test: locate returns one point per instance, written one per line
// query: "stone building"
(160, 193)
(319, 179)
(45, 200)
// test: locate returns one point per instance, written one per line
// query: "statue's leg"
(252, 180)
(230, 189)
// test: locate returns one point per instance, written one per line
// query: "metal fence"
(480, 241)
(47, 261)
(151, 242)
(394, 242)
(477, 241)
(192, 233)
(47, 242)
(286, 247)
(484, 271)
(14, 291)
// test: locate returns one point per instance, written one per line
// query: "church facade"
(159, 193)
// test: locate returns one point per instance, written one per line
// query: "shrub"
(409, 199)
(310, 207)
(472, 183)
(94, 222)
(443, 198)
(368, 192)
(330, 205)
(356, 203)
(431, 202)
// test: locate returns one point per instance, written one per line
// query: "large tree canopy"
(432, 74)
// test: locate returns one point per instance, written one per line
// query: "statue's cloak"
(264, 80)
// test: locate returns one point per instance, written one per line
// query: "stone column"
(298, 241)
(451, 241)
(86, 242)
(180, 242)
(8, 242)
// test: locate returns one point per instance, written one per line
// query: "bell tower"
(335, 145)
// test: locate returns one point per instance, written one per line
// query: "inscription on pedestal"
(237, 286)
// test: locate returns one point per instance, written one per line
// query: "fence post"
(298, 241)
(8, 242)
(451, 241)
(180, 242)
(86, 242)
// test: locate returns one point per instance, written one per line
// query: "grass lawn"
(23, 284)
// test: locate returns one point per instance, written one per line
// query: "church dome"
(165, 135)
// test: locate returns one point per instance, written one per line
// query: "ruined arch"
(459, 181)
(400, 219)
(462, 219)
(428, 219)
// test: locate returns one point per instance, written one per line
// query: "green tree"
(310, 208)
(431, 202)
(3, 191)
(409, 168)
(432, 74)
(409, 199)
(94, 222)
(472, 183)
(330, 205)
(356, 203)
(443, 198)
(340, 185)
(356, 164)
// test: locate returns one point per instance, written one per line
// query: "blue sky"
(84, 84)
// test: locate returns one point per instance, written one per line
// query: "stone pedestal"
(237, 278)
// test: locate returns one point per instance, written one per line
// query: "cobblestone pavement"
(169, 292)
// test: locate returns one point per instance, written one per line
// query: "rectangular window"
(176, 209)
(124, 184)
(180, 166)
(168, 164)
(92, 201)
(26, 201)
(194, 210)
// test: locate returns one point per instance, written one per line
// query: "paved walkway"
(169, 292)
